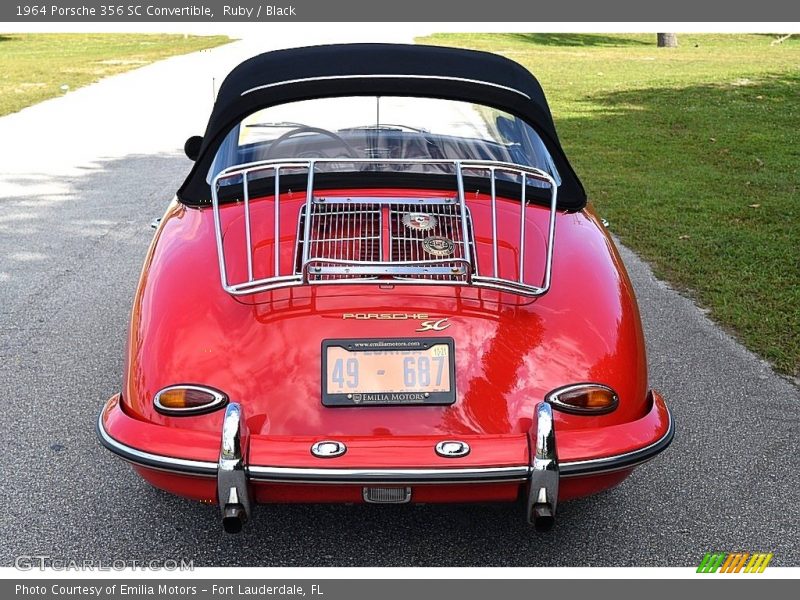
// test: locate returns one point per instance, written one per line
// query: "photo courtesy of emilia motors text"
(349, 299)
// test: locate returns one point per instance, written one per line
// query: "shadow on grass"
(702, 182)
(5, 38)
(577, 39)
(777, 36)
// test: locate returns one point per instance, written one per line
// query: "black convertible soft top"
(379, 69)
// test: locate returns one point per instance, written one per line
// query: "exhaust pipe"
(233, 517)
(543, 491)
(232, 494)
(542, 516)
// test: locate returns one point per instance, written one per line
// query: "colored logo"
(438, 245)
(736, 562)
(419, 221)
(439, 325)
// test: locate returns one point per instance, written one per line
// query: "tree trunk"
(667, 40)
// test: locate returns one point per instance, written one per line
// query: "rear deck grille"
(339, 231)
(407, 243)
(344, 231)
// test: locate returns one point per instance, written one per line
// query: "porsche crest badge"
(419, 221)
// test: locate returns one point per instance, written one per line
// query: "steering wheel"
(351, 152)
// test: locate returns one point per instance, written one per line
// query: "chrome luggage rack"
(342, 240)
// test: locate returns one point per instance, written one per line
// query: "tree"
(667, 40)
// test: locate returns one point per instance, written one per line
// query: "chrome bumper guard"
(234, 497)
(232, 492)
(543, 486)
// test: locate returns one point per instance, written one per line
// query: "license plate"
(395, 371)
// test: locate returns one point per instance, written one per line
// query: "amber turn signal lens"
(584, 399)
(188, 400)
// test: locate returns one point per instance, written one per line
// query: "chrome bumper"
(233, 474)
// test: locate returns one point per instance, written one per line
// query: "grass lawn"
(693, 156)
(34, 67)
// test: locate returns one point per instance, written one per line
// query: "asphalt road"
(82, 177)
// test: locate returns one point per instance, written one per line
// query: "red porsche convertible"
(381, 283)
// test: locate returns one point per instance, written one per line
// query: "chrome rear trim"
(388, 476)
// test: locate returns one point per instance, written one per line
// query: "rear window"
(371, 127)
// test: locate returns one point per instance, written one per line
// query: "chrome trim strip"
(388, 476)
(619, 462)
(154, 461)
(384, 76)
(220, 399)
